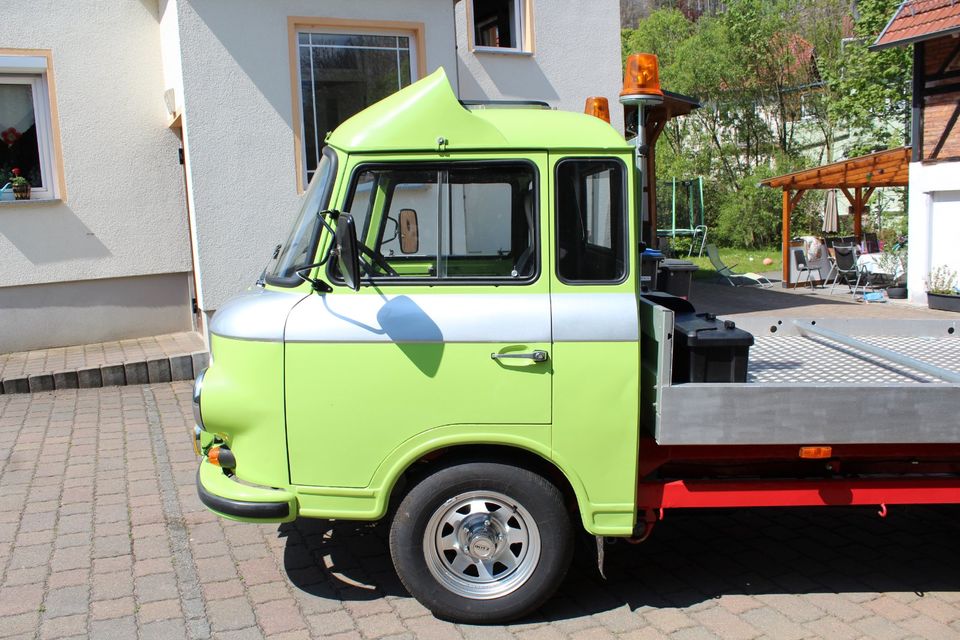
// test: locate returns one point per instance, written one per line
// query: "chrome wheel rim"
(481, 545)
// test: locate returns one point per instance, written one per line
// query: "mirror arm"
(316, 283)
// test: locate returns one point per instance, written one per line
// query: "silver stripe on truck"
(429, 318)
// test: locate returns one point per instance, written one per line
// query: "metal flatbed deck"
(807, 389)
(811, 359)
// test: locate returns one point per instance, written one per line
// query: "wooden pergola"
(856, 178)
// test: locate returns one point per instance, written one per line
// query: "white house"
(932, 27)
(168, 141)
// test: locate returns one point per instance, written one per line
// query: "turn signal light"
(642, 75)
(222, 457)
(816, 453)
(598, 107)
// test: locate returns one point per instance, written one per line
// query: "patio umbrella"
(831, 223)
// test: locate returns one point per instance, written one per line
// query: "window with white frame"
(26, 131)
(343, 71)
(498, 24)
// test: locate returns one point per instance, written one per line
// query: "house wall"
(238, 109)
(239, 128)
(123, 216)
(87, 311)
(940, 132)
(934, 221)
(576, 55)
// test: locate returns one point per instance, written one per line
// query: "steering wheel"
(379, 260)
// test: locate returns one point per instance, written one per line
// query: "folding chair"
(847, 267)
(804, 269)
(727, 272)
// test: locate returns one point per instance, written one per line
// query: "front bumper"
(226, 497)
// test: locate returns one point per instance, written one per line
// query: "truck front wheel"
(482, 542)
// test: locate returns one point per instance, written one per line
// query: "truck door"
(595, 331)
(450, 330)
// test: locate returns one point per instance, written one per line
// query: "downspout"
(456, 44)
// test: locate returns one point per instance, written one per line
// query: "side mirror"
(348, 259)
(409, 231)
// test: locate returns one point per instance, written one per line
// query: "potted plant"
(893, 261)
(942, 292)
(20, 185)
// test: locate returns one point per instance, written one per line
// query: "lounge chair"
(729, 274)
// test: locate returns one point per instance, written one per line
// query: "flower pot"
(21, 191)
(943, 302)
(897, 293)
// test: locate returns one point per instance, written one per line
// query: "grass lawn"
(740, 260)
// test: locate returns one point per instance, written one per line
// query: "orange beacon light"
(642, 76)
(598, 107)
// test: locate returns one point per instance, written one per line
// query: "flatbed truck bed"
(806, 388)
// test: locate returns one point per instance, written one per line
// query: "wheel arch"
(419, 462)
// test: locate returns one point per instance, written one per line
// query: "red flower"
(10, 136)
(16, 172)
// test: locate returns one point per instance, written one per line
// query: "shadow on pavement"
(722, 299)
(691, 558)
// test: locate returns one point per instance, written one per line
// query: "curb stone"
(177, 367)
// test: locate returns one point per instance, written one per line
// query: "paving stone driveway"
(102, 535)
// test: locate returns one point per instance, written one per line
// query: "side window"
(29, 151)
(591, 221)
(453, 222)
(491, 214)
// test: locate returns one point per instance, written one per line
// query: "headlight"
(197, 387)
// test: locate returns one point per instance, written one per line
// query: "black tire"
(529, 495)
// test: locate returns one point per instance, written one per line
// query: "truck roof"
(416, 117)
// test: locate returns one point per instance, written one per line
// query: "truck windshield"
(300, 248)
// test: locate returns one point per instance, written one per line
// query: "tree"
(870, 90)
(769, 73)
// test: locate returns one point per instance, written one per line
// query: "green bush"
(750, 216)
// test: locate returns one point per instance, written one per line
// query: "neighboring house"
(168, 141)
(933, 28)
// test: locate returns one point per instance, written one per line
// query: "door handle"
(536, 356)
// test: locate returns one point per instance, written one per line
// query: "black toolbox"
(706, 349)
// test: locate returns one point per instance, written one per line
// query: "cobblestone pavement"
(102, 535)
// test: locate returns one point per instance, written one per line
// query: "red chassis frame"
(926, 474)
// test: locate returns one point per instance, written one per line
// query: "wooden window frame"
(296, 24)
(526, 32)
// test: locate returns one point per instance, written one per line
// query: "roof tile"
(920, 20)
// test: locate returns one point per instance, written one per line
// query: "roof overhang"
(917, 21)
(889, 168)
(918, 38)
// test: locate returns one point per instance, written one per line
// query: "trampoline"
(686, 211)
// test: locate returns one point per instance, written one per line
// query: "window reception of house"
(343, 73)
(18, 132)
(498, 24)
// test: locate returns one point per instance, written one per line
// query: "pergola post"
(789, 204)
(858, 214)
(785, 235)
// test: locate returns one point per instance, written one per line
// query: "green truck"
(455, 336)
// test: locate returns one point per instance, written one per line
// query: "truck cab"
(459, 293)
